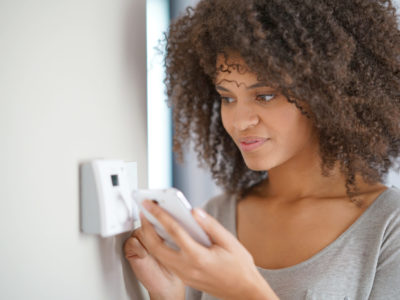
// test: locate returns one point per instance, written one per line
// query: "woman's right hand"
(158, 280)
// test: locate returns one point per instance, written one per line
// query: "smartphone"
(174, 202)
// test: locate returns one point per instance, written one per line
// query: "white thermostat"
(106, 203)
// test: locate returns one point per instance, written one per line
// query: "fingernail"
(147, 204)
(200, 213)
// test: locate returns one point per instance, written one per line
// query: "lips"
(251, 143)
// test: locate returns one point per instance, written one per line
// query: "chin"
(257, 164)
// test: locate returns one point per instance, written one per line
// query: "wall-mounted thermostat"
(106, 203)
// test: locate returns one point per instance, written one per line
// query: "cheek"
(226, 120)
(298, 133)
(291, 127)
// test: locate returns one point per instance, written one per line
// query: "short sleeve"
(387, 277)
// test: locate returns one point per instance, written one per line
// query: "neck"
(297, 181)
(301, 178)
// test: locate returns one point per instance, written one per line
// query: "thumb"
(134, 249)
(217, 233)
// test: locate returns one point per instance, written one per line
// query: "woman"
(295, 107)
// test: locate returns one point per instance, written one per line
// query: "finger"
(146, 231)
(154, 243)
(138, 233)
(180, 236)
(217, 233)
(134, 249)
(164, 255)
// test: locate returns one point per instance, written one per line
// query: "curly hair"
(339, 57)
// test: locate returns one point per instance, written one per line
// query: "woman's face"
(267, 129)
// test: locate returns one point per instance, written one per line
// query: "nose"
(245, 117)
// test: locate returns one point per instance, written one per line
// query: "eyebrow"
(253, 86)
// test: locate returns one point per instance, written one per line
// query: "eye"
(265, 97)
(227, 99)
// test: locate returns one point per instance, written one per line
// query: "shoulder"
(223, 209)
(385, 209)
(390, 201)
(387, 214)
(218, 203)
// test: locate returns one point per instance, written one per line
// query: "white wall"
(72, 88)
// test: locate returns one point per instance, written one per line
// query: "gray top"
(362, 263)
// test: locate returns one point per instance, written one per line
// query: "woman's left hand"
(225, 270)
